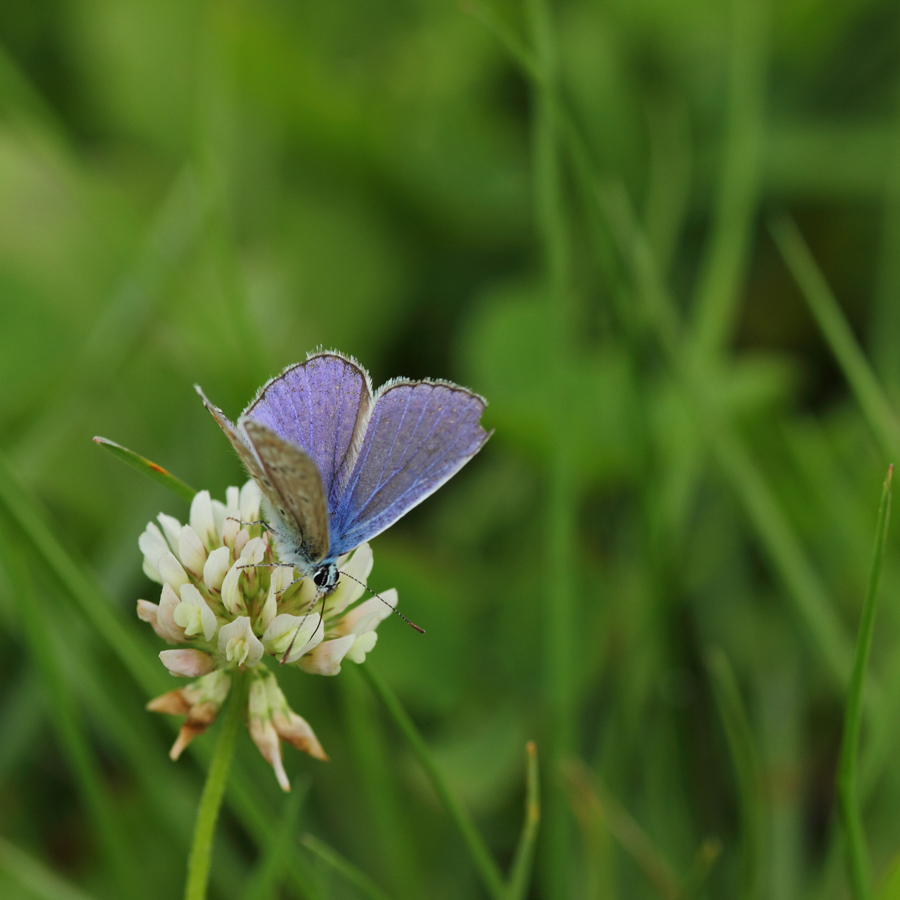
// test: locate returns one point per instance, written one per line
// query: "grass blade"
(37, 879)
(39, 635)
(848, 799)
(264, 879)
(143, 465)
(587, 791)
(830, 318)
(718, 293)
(746, 770)
(559, 532)
(520, 872)
(490, 874)
(354, 875)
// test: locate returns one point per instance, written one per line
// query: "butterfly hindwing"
(298, 489)
(322, 406)
(418, 436)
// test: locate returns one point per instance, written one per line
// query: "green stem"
(848, 793)
(490, 874)
(214, 790)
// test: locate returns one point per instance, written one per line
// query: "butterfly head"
(325, 577)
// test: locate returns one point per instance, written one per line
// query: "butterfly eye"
(322, 577)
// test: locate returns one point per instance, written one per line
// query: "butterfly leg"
(257, 522)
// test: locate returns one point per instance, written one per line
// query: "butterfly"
(337, 463)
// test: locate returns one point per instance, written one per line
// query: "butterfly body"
(338, 463)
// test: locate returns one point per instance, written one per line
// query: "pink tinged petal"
(363, 644)
(249, 501)
(299, 633)
(191, 551)
(202, 519)
(189, 663)
(153, 545)
(171, 528)
(238, 644)
(216, 568)
(171, 571)
(266, 738)
(165, 616)
(149, 612)
(240, 541)
(326, 658)
(296, 731)
(368, 615)
(230, 530)
(174, 703)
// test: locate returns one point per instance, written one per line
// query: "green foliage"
(564, 207)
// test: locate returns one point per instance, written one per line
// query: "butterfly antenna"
(393, 609)
(287, 652)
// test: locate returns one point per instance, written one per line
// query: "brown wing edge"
(304, 499)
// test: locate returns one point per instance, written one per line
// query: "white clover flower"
(226, 603)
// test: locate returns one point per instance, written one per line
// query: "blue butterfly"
(338, 463)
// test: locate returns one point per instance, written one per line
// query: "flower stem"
(213, 790)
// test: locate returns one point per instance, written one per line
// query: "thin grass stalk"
(559, 647)
(390, 841)
(830, 318)
(40, 634)
(523, 861)
(200, 858)
(725, 261)
(269, 870)
(344, 867)
(488, 871)
(747, 772)
(847, 780)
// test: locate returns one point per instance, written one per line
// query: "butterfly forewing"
(297, 498)
(419, 435)
(243, 451)
(322, 406)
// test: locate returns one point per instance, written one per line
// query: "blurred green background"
(619, 222)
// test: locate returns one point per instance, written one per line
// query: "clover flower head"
(228, 603)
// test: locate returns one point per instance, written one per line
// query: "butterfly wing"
(298, 501)
(322, 406)
(288, 479)
(242, 449)
(419, 435)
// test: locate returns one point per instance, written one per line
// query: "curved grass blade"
(847, 786)
(520, 873)
(146, 467)
(746, 768)
(843, 343)
(355, 876)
